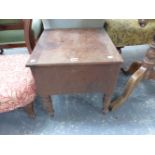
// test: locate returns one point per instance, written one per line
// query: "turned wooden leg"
(48, 105)
(106, 103)
(130, 86)
(30, 110)
(1, 51)
(142, 22)
(133, 68)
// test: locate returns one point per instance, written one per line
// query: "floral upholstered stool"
(17, 87)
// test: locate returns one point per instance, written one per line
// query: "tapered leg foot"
(30, 110)
(48, 105)
(106, 103)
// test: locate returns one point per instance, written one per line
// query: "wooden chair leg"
(133, 68)
(131, 84)
(30, 110)
(145, 71)
(48, 105)
(1, 51)
(106, 103)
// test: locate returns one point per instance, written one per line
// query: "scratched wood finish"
(75, 60)
(78, 46)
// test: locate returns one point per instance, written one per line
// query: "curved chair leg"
(106, 103)
(145, 71)
(30, 110)
(133, 68)
(131, 84)
(1, 51)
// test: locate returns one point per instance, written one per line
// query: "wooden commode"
(74, 61)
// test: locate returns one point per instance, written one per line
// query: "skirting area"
(82, 113)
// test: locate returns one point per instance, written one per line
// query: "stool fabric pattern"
(17, 86)
(126, 32)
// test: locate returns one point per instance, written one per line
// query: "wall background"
(72, 23)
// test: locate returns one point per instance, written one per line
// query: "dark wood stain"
(75, 60)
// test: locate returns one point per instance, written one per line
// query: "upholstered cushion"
(12, 37)
(9, 21)
(17, 36)
(17, 87)
(128, 32)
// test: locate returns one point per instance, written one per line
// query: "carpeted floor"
(81, 113)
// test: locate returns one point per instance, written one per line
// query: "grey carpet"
(82, 114)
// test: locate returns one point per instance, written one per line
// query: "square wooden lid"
(74, 46)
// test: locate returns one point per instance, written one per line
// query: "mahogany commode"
(73, 61)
